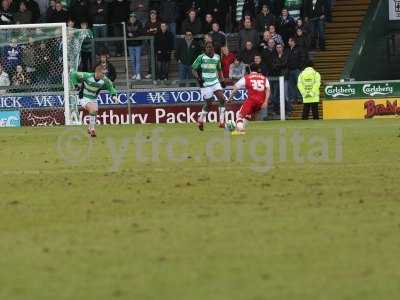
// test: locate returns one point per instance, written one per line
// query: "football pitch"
(292, 210)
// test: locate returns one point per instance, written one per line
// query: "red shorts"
(249, 108)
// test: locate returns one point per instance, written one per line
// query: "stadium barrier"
(163, 105)
(361, 100)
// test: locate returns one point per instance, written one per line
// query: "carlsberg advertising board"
(352, 90)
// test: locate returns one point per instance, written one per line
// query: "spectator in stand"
(12, 56)
(28, 58)
(134, 29)
(267, 54)
(60, 15)
(153, 25)
(247, 54)
(296, 61)
(196, 5)
(152, 28)
(314, 12)
(328, 10)
(71, 23)
(227, 58)
(141, 10)
(6, 13)
(23, 15)
(302, 40)
(86, 51)
(50, 10)
(208, 21)
(286, 25)
(118, 13)
(275, 36)
(218, 37)
(269, 3)
(20, 79)
(108, 68)
(263, 114)
(237, 70)
(218, 9)
(79, 11)
(244, 7)
(280, 68)
(169, 14)
(264, 19)
(33, 7)
(186, 52)
(266, 37)
(305, 26)
(98, 14)
(163, 44)
(248, 33)
(262, 67)
(192, 23)
(43, 65)
(4, 80)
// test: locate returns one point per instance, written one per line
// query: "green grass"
(201, 229)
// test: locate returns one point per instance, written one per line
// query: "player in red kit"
(258, 92)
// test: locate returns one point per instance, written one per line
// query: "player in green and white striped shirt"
(210, 79)
(93, 83)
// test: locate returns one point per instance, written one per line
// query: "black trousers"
(313, 107)
(86, 62)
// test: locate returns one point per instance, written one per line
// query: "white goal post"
(45, 54)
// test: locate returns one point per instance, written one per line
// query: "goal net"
(36, 61)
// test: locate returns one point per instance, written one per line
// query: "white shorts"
(208, 92)
(84, 101)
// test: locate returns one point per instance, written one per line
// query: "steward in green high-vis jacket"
(308, 84)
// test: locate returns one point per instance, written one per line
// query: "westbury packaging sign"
(361, 109)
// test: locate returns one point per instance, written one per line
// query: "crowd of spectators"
(267, 33)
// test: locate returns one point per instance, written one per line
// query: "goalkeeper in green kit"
(92, 84)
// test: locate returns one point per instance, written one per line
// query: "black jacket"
(264, 21)
(119, 11)
(207, 27)
(187, 54)
(134, 30)
(59, 16)
(79, 12)
(218, 9)
(313, 12)
(219, 40)
(96, 16)
(193, 27)
(247, 56)
(286, 27)
(279, 65)
(34, 8)
(296, 58)
(168, 11)
(267, 58)
(163, 44)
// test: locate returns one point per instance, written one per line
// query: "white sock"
(240, 124)
(203, 116)
(92, 121)
(221, 114)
